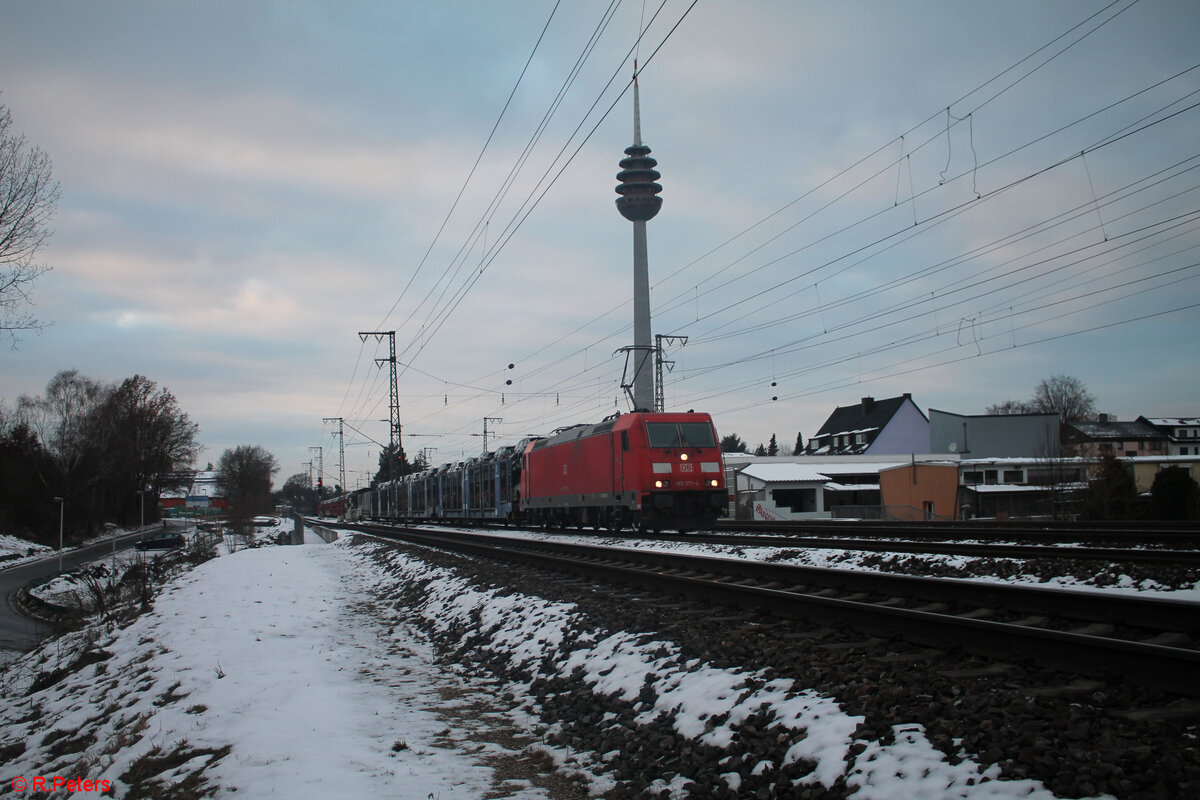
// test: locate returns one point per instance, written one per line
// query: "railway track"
(1183, 535)
(1189, 557)
(1145, 640)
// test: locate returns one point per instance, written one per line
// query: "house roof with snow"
(1115, 431)
(866, 416)
(813, 472)
(892, 426)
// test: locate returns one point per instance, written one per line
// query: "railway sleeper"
(996, 670)
(979, 613)
(873, 643)
(1170, 639)
(910, 658)
(933, 608)
(1080, 686)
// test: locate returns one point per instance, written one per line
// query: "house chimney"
(867, 404)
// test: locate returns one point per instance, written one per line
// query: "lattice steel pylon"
(394, 404)
(341, 450)
(660, 397)
(320, 465)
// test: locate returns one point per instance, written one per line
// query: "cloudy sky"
(860, 198)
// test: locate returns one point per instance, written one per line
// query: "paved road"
(18, 632)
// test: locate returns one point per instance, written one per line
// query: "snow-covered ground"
(289, 672)
(14, 550)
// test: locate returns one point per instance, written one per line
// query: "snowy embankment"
(310, 672)
(14, 550)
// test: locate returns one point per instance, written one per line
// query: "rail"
(1144, 640)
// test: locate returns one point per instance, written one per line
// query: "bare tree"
(244, 478)
(299, 494)
(103, 447)
(1064, 395)
(61, 420)
(1009, 407)
(145, 443)
(28, 199)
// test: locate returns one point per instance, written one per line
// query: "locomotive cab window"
(680, 434)
(697, 434)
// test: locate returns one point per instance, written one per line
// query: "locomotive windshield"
(680, 434)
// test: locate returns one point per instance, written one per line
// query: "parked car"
(162, 540)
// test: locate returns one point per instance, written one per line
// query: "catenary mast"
(638, 203)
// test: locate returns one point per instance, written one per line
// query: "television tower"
(638, 203)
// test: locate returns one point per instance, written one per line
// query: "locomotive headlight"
(713, 483)
(683, 456)
(658, 484)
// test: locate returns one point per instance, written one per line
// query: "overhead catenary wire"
(546, 366)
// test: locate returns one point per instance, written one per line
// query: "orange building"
(920, 491)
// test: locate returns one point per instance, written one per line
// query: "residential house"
(890, 427)
(797, 487)
(1108, 436)
(1183, 433)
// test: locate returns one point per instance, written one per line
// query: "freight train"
(643, 470)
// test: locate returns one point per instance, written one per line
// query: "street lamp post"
(62, 504)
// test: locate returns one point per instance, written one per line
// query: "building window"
(990, 477)
(972, 477)
(1014, 476)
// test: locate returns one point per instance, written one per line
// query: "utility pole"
(486, 420)
(341, 450)
(394, 404)
(320, 468)
(660, 398)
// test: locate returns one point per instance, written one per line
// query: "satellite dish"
(953, 447)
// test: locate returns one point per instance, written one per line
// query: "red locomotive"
(652, 471)
(643, 470)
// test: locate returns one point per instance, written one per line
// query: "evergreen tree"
(1112, 494)
(732, 444)
(388, 457)
(1174, 495)
(799, 448)
(772, 446)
